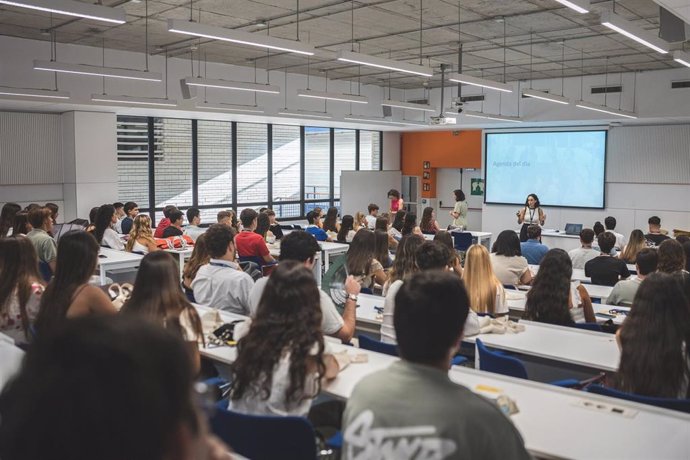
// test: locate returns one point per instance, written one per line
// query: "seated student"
(104, 232)
(655, 236)
(302, 247)
(109, 389)
(624, 291)
(194, 219)
(382, 253)
(226, 218)
(653, 341)
(9, 210)
(610, 224)
(636, 243)
(410, 225)
(275, 226)
(54, 211)
(580, 256)
(141, 236)
(361, 260)
(507, 262)
(605, 269)
(446, 239)
(553, 299)
(93, 214)
(532, 249)
(382, 225)
(120, 213)
(176, 222)
(484, 289)
(671, 256)
(319, 212)
(330, 223)
(45, 246)
(21, 225)
(69, 293)
(250, 244)
(263, 228)
(428, 223)
(131, 210)
(165, 221)
(21, 287)
(314, 227)
(450, 419)
(221, 283)
(373, 210)
(360, 220)
(199, 258)
(347, 230)
(396, 227)
(157, 297)
(286, 334)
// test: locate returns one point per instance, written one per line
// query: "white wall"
(449, 179)
(391, 151)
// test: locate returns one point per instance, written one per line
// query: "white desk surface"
(578, 274)
(333, 247)
(595, 291)
(561, 234)
(113, 258)
(187, 252)
(478, 235)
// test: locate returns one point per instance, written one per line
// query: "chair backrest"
(333, 281)
(256, 259)
(265, 437)
(588, 326)
(367, 343)
(497, 363)
(682, 405)
(462, 240)
(45, 270)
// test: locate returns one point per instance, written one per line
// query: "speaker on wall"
(387, 111)
(671, 28)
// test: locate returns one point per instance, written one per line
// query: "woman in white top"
(507, 262)
(362, 262)
(104, 233)
(282, 359)
(347, 230)
(141, 236)
(459, 212)
(484, 290)
(531, 214)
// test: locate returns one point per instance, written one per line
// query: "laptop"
(573, 229)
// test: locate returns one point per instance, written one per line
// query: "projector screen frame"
(604, 129)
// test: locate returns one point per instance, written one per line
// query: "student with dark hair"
(686, 250)
(382, 253)
(459, 212)
(42, 225)
(362, 262)
(382, 225)
(225, 218)
(347, 229)
(398, 222)
(31, 206)
(410, 225)
(373, 213)
(655, 237)
(192, 229)
(104, 232)
(263, 227)
(430, 313)
(624, 291)
(120, 214)
(21, 287)
(605, 269)
(509, 266)
(282, 359)
(176, 222)
(636, 243)
(199, 258)
(610, 224)
(580, 256)
(330, 223)
(446, 239)
(671, 256)
(21, 225)
(9, 210)
(54, 211)
(396, 201)
(165, 221)
(319, 213)
(654, 339)
(275, 226)
(250, 244)
(530, 214)
(93, 214)
(157, 297)
(69, 293)
(131, 210)
(221, 284)
(552, 298)
(106, 389)
(314, 227)
(532, 249)
(302, 247)
(428, 223)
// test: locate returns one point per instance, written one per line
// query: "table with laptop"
(566, 239)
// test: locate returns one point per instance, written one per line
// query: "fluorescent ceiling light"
(229, 107)
(604, 109)
(622, 26)
(682, 58)
(304, 113)
(133, 100)
(233, 85)
(83, 69)
(489, 116)
(581, 6)
(545, 96)
(333, 96)
(383, 63)
(29, 92)
(368, 119)
(72, 8)
(481, 82)
(238, 36)
(408, 105)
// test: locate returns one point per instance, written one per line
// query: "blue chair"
(588, 327)
(265, 437)
(682, 405)
(462, 241)
(45, 271)
(367, 343)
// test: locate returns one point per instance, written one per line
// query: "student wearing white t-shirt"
(610, 224)
(104, 232)
(485, 291)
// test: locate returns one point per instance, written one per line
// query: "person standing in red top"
(165, 221)
(396, 201)
(248, 243)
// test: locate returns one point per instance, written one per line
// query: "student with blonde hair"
(636, 243)
(485, 291)
(141, 236)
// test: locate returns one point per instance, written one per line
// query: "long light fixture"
(30, 92)
(365, 118)
(304, 113)
(237, 36)
(232, 85)
(84, 69)
(332, 96)
(383, 63)
(133, 100)
(605, 109)
(622, 26)
(682, 57)
(481, 82)
(581, 6)
(545, 96)
(73, 8)
(408, 105)
(229, 107)
(489, 116)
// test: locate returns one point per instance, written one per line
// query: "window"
(210, 216)
(345, 156)
(286, 210)
(252, 163)
(369, 150)
(133, 160)
(214, 146)
(173, 165)
(286, 170)
(317, 160)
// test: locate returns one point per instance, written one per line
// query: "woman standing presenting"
(531, 214)
(459, 211)
(396, 201)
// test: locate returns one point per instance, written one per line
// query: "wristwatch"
(352, 297)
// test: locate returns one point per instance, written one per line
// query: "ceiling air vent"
(419, 101)
(477, 98)
(680, 84)
(607, 89)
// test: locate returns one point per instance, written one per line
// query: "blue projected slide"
(562, 168)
